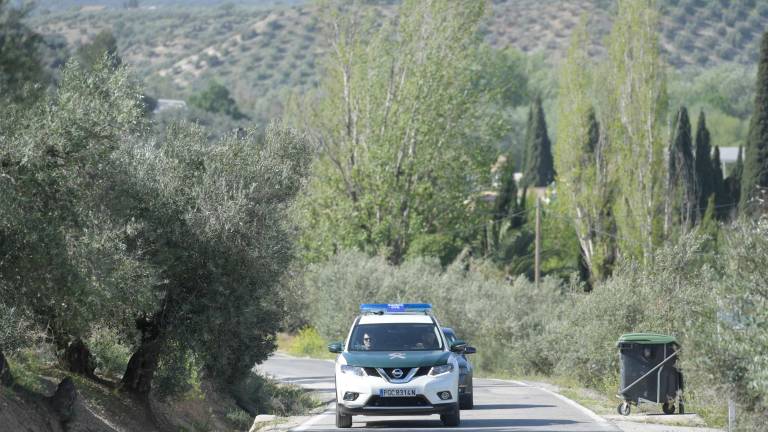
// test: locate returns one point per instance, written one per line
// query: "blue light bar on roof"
(395, 307)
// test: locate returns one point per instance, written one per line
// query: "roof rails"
(398, 308)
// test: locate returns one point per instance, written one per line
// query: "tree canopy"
(402, 128)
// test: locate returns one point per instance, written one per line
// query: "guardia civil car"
(397, 361)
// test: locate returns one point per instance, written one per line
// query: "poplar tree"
(704, 175)
(539, 167)
(580, 160)
(403, 131)
(755, 175)
(635, 112)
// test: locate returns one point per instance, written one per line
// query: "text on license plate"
(396, 392)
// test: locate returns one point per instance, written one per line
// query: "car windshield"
(395, 337)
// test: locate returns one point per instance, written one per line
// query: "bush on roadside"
(714, 303)
(308, 342)
(505, 320)
(259, 395)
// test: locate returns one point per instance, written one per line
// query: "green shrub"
(308, 342)
(110, 352)
(241, 419)
(504, 320)
(16, 329)
(259, 395)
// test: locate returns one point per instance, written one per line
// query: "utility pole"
(537, 262)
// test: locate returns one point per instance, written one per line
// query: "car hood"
(386, 359)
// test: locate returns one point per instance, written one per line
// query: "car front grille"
(410, 401)
(388, 371)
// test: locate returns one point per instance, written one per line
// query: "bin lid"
(647, 338)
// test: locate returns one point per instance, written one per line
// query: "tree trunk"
(63, 401)
(79, 360)
(143, 363)
(5, 371)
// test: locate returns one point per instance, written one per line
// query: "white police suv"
(396, 361)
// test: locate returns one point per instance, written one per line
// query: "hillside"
(260, 50)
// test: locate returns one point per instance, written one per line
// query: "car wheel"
(452, 419)
(466, 401)
(342, 420)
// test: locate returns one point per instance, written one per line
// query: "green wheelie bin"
(649, 372)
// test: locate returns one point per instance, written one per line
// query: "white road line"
(311, 422)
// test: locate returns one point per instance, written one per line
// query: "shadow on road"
(496, 425)
(509, 406)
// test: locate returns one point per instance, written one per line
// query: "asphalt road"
(499, 405)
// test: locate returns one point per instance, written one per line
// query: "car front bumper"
(369, 401)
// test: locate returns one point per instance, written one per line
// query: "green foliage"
(581, 162)
(241, 419)
(539, 166)
(216, 99)
(20, 66)
(110, 352)
(178, 373)
(308, 342)
(393, 123)
(721, 197)
(102, 48)
(732, 187)
(259, 395)
(682, 204)
(213, 217)
(505, 319)
(755, 175)
(64, 261)
(705, 181)
(633, 117)
(16, 329)
(734, 336)
(27, 366)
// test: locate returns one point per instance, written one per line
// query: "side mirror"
(336, 347)
(458, 346)
(470, 350)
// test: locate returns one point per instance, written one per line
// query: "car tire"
(342, 421)
(466, 401)
(452, 419)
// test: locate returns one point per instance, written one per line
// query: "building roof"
(729, 154)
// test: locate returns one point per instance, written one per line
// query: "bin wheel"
(624, 408)
(668, 408)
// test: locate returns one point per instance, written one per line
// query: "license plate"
(397, 392)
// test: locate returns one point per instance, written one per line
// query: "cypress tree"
(732, 186)
(682, 202)
(755, 173)
(539, 167)
(720, 193)
(705, 181)
(506, 200)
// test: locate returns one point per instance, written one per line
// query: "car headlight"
(439, 370)
(353, 370)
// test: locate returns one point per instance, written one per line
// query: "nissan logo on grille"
(397, 373)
